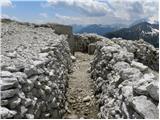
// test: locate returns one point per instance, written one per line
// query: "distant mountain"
(144, 20)
(76, 28)
(148, 32)
(97, 28)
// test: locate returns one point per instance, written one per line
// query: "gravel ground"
(80, 95)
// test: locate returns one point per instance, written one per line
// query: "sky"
(80, 11)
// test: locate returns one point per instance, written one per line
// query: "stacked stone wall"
(35, 63)
(125, 87)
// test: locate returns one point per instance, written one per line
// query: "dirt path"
(80, 93)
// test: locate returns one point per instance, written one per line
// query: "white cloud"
(5, 3)
(98, 11)
(135, 9)
(107, 11)
(44, 15)
(90, 7)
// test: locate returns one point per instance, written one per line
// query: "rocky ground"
(80, 92)
(40, 78)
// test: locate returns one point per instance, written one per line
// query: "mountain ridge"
(148, 32)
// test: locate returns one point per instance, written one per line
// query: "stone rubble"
(73, 58)
(35, 67)
(126, 84)
(86, 99)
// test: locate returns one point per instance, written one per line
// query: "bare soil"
(81, 87)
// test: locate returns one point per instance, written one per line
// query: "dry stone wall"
(35, 63)
(86, 42)
(125, 87)
(143, 52)
(62, 29)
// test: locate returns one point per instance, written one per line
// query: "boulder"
(8, 83)
(123, 55)
(31, 71)
(27, 102)
(140, 85)
(145, 107)
(131, 73)
(6, 74)
(140, 90)
(119, 66)
(139, 65)
(8, 93)
(23, 110)
(6, 113)
(12, 54)
(14, 102)
(127, 92)
(47, 89)
(4, 102)
(73, 58)
(21, 77)
(38, 63)
(153, 90)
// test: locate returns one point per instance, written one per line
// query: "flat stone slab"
(8, 93)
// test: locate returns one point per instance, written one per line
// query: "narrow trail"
(80, 93)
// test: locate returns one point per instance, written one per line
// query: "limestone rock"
(8, 93)
(23, 110)
(6, 113)
(11, 69)
(4, 102)
(86, 99)
(153, 90)
(12, 54)
(45, 49)
(138, 65)
(6, 74)
(29, 116)
(14, 102)
(119, 66)
(31, 71)
(73, 58)
(131, 73)
(127, 92)
(141, 90)
(27, 102)
(145, 107)
(43, 55)
(8, 83)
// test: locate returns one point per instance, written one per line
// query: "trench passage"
(80, 91)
